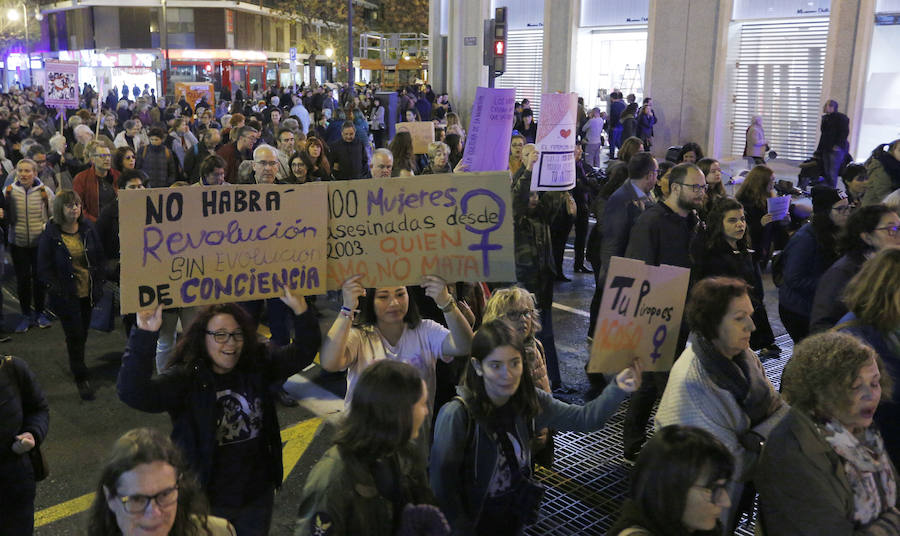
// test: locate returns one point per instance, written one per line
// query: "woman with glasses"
(809, 252)
(678, 487)
(873, 300)
(481, 461)
(124, 159)
(70, 266)
(219, 392)
(319, 166)
(145, 490)
(718, 384)
(299, 165)
(869, 229)
(824, 469)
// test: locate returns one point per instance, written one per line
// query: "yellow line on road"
(296, 439)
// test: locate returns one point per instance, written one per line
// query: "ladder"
(631, 80)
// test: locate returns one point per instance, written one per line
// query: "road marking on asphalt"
(296, 439)
(572, 310)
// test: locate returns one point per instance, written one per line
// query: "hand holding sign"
(150, 319)
(629, 380)
(436, 289)
(352, 290)
(296, 303)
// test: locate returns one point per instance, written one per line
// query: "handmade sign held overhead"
(61, 86)
(422, 133)
(555, 140)
(490, 130)
(640, 316)
(393, 231)
(194, 246)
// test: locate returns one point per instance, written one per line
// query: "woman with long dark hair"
(811, 251)
(404, 159)
(724, 250)
(715, 190)
(678, 486)
(754, 192)
(371, 481)
(481, 459)
(320, 167)
(219, 392)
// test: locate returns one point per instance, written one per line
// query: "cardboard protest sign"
(778, 207)
(394, 231)
(490, 129)
(640, 316)
(61, 85)
(555, 140)
(422, 133)
(194, 91)
(200, 245)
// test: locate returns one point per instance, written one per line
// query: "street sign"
(293, 53)
(470, 41)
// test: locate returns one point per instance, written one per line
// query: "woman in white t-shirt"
(388, 326)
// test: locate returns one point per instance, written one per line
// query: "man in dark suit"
(833, 145)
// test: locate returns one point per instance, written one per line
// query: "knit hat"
(824, 197)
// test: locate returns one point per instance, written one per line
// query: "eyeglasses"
(516, 315)
(136, 504)
(266, 163)
(717, 492)
(222, 337)
(98, 155)
(696, 188)
(128, 157)
(891, 230)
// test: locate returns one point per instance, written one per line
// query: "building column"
(850, 32)
(465, 48)
(437, 47)
(560, 28)
(686, 46)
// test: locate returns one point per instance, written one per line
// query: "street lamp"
(13, 15)
(329, 52)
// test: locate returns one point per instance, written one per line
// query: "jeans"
(165, 344)
(581, 232)
(544, 296)
(31, 292)
(832, 160)
(17, 491)
(797, 325)
(592, 154)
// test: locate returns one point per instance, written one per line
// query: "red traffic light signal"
(499, 47)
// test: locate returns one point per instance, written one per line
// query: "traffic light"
(499, 63)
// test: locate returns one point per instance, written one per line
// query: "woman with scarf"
(825, 469)
(883, 169)
(718, 384)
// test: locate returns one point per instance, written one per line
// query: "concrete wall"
(465, 71)
(560, 28)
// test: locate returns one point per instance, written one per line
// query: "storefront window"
(881, 109)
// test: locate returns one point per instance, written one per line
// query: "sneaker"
(630, 458)
(43, 321)
(85, 391)
(24, 324)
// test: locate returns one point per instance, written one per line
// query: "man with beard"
(662, 234)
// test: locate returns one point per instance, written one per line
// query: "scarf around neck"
(867, 466)
(739, 377)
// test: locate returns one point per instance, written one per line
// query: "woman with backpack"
(481, 466)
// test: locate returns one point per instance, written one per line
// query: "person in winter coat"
(70, 266)
(824, 469)
(217, 392)
(481, 460)
(182, 141)
(157, 161)
(28, 204)
(718, 384)
(754, 192)
(645, 120)
(883, 169)
(678, 487)
(723, 250)
(97, 186)
(756, 144)
(869, 229)
(24, 423)
(593, 136)
(809, 252)
(872, 298)
(371, 481)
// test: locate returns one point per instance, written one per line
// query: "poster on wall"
(194, 91)
(555, 140)
(61, 85)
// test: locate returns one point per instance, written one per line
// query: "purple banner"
(487, 146)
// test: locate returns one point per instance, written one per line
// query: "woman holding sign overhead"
(388, 326)
(718, 384)
(218, 393)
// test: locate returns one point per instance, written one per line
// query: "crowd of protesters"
(452, 388)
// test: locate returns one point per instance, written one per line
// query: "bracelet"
(345, 308)
(449, 305)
